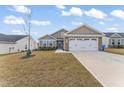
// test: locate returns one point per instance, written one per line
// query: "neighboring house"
(15, 43)
(54, 40)
(113, 39)
(81, 38)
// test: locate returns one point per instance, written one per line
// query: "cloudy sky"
(48, 19)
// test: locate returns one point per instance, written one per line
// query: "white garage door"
(78, 44)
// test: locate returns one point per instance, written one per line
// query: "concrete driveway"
(107, 68)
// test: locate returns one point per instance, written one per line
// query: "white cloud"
(113, 29)
(118, 13)
(60, 6)
(13, 20)
(20, 9)
(96, 13)
(19, 20)
(76, 23)
(43, 23)
(74, 11)
(102, 23)
(18, 32)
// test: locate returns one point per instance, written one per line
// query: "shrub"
(28, 53)
(116, 46)
(46, 48)
(121, 46)
(35, 49)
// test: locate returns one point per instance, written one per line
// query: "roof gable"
(59, 34)
(47, 37)
(121, 34)
(85, 30)
(115, 35)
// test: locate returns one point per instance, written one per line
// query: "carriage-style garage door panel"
(78, 44)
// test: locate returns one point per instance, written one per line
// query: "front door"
(60, 44)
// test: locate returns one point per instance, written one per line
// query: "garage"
(83, 44)
(83, 38)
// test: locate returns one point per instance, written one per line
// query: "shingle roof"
(109, 34)
(11, 38)
(47, 37)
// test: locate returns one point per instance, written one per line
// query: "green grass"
(45, 69)
(115, 50)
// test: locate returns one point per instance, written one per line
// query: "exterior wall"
(48, 43)
(4, 48)
(19, 46)
(122, 41)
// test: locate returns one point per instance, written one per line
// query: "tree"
(27, 27)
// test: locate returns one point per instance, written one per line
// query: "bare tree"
(27, 28)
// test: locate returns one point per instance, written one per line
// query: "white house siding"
(18, 46)
(5, 48)
(21, 44)
(122, 41)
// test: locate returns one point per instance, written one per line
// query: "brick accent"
(66, 44)
(100, 43)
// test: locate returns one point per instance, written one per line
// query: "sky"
(46, 19)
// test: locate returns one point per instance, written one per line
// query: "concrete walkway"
(60, 51)
(105, 67)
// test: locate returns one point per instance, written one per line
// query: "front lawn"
(115, 50)
(44, 69)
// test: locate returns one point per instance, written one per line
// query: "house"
(81, 38)
(113, 39)
(15, 43)
(54, 40)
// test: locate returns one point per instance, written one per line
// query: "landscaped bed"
(115, 50)
(44, 69)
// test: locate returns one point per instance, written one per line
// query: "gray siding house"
(54, 40)
(82, 38)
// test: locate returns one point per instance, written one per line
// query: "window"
(79, 38)
(72, 39)
(50, 44)
(12, 48)
(86, 39)
(113, 41)
(119, 42)
(18, 49)
(40, 43)
(26, 47)
(44, 44)
(93, 39)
